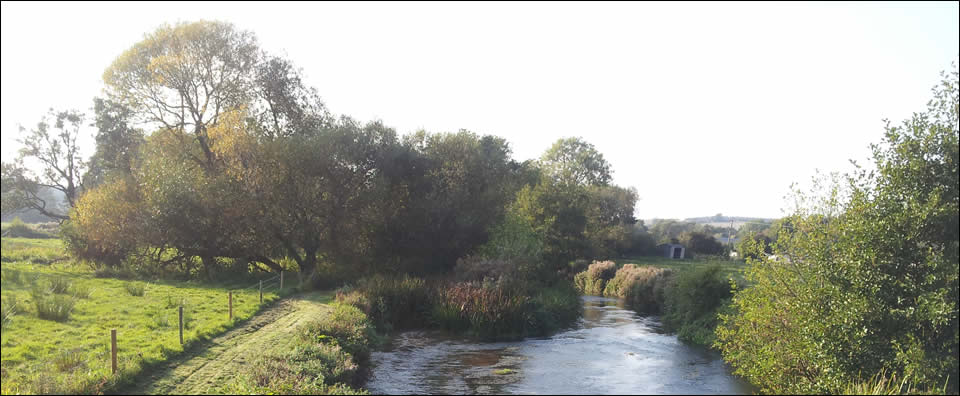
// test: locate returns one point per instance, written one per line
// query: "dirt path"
(205, 368)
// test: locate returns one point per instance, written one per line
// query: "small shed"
(673, 250)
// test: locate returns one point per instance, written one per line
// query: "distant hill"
(715, 221)
(727, 219)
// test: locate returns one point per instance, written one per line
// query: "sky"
(704, 108)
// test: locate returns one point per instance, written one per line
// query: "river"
(612, 350)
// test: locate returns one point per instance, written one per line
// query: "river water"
(612, 350)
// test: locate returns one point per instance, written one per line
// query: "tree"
(751, 244)
(184, 77)
(217, 102)
(573, 161)
(702, 243)
(666, 231)
(449, 189)
(866, 279)
(52, 145)
(117, 142)
(610, 220)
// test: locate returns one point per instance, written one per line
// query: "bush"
(556, 307)
(693, 301)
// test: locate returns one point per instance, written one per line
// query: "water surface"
(611, 350)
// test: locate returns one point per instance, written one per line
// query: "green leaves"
(866, 275)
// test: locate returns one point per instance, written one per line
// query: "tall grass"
(10, 305)
(595, 277)
(56, 307)
(394, 303)
(135, 289)
(347, 324)
(489, 310)
(323, 359)
(59, 285)
(884, 384)
(641, 287)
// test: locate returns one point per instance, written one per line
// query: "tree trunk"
(209, 262)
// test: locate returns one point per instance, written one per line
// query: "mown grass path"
(211, 364)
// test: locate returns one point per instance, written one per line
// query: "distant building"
(673, 250)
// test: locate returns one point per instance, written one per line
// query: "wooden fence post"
(230, 302)
(113, 350)
(261, 292)
(181, 325)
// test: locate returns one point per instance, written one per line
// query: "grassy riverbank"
(492, 311)
(688, 294)
(326, 354)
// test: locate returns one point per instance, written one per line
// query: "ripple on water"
(611, 351)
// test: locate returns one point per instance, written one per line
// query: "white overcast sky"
(705, 108)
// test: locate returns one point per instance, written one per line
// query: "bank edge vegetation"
(245, 171)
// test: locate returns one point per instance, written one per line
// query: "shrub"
(136, 289)
(556, 307)
(646, 295)
(693, 301)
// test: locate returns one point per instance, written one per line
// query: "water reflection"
(611, 351)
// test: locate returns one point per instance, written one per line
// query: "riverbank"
(489, 310)
(688, 300)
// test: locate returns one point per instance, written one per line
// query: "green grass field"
(73, 355)
(730, 268)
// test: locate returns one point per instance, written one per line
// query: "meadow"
(728, 268)
(57, 318)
